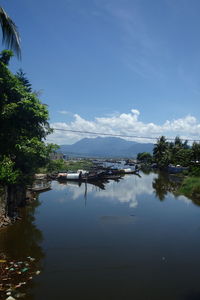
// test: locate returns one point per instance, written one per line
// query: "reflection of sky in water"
(184, 199)
(129, 189)
(126, 191)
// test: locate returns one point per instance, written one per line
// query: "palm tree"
(160, 148)
(161, 152)
(10, 34)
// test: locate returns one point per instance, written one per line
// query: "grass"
(77, 165)
(190, 187)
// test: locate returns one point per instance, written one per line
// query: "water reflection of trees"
(23, 239)
(165, 183)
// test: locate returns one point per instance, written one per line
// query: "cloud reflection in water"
(125, 191)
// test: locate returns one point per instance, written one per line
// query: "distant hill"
(105, 147)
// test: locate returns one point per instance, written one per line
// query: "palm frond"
(10, 34)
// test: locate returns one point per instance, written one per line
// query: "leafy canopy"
(23, 126)
(176, 153)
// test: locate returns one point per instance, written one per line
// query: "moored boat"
(69, 176)
(176, 169)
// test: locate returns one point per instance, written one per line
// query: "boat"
(176, 169)
(125, 171)
(69, 176)
(96, 175)
(79, 176)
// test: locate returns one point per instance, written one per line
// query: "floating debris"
(24, 269)
(14, 275)
(31, 258)
(37, 272)
(20, 295)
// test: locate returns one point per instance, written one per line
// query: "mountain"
(105, 147)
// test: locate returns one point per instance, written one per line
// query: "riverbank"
(190, 187)
(6, 218)
(19, 196)
(189, 180)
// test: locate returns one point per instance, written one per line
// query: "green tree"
(6, 56)
(145, 157)
(22, 77)
(182, 157)
(196, 151)
(56, 166)
(10, 34)
(161, 152)
(23, 129)
(7, 173)
(178, 142)
(179, 152)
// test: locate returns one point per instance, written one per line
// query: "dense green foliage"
(191, 187)
(179, 153)
(175, 153)
(56, 166)
(22, 77)
(145, 157)
(23, 128)
(7, 173)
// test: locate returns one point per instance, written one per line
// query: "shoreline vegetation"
(24, 128)
(178, 156)
(190, 187)
(61, 165)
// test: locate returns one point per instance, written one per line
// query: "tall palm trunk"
(10, 34)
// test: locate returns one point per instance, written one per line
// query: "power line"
(121, 135)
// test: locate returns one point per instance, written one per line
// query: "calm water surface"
(131, 239)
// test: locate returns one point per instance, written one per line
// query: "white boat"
(69, 176)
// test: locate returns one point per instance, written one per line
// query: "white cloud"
(64, 112)
(187, 124)
(127, 124)
(135, 111)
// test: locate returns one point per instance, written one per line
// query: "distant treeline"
(177, 152)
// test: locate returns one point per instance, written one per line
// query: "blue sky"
(114, 66)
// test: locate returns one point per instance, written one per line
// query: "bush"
(195, 171)
(56, 166)
(191, 187)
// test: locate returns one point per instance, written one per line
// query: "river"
(131, 239)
